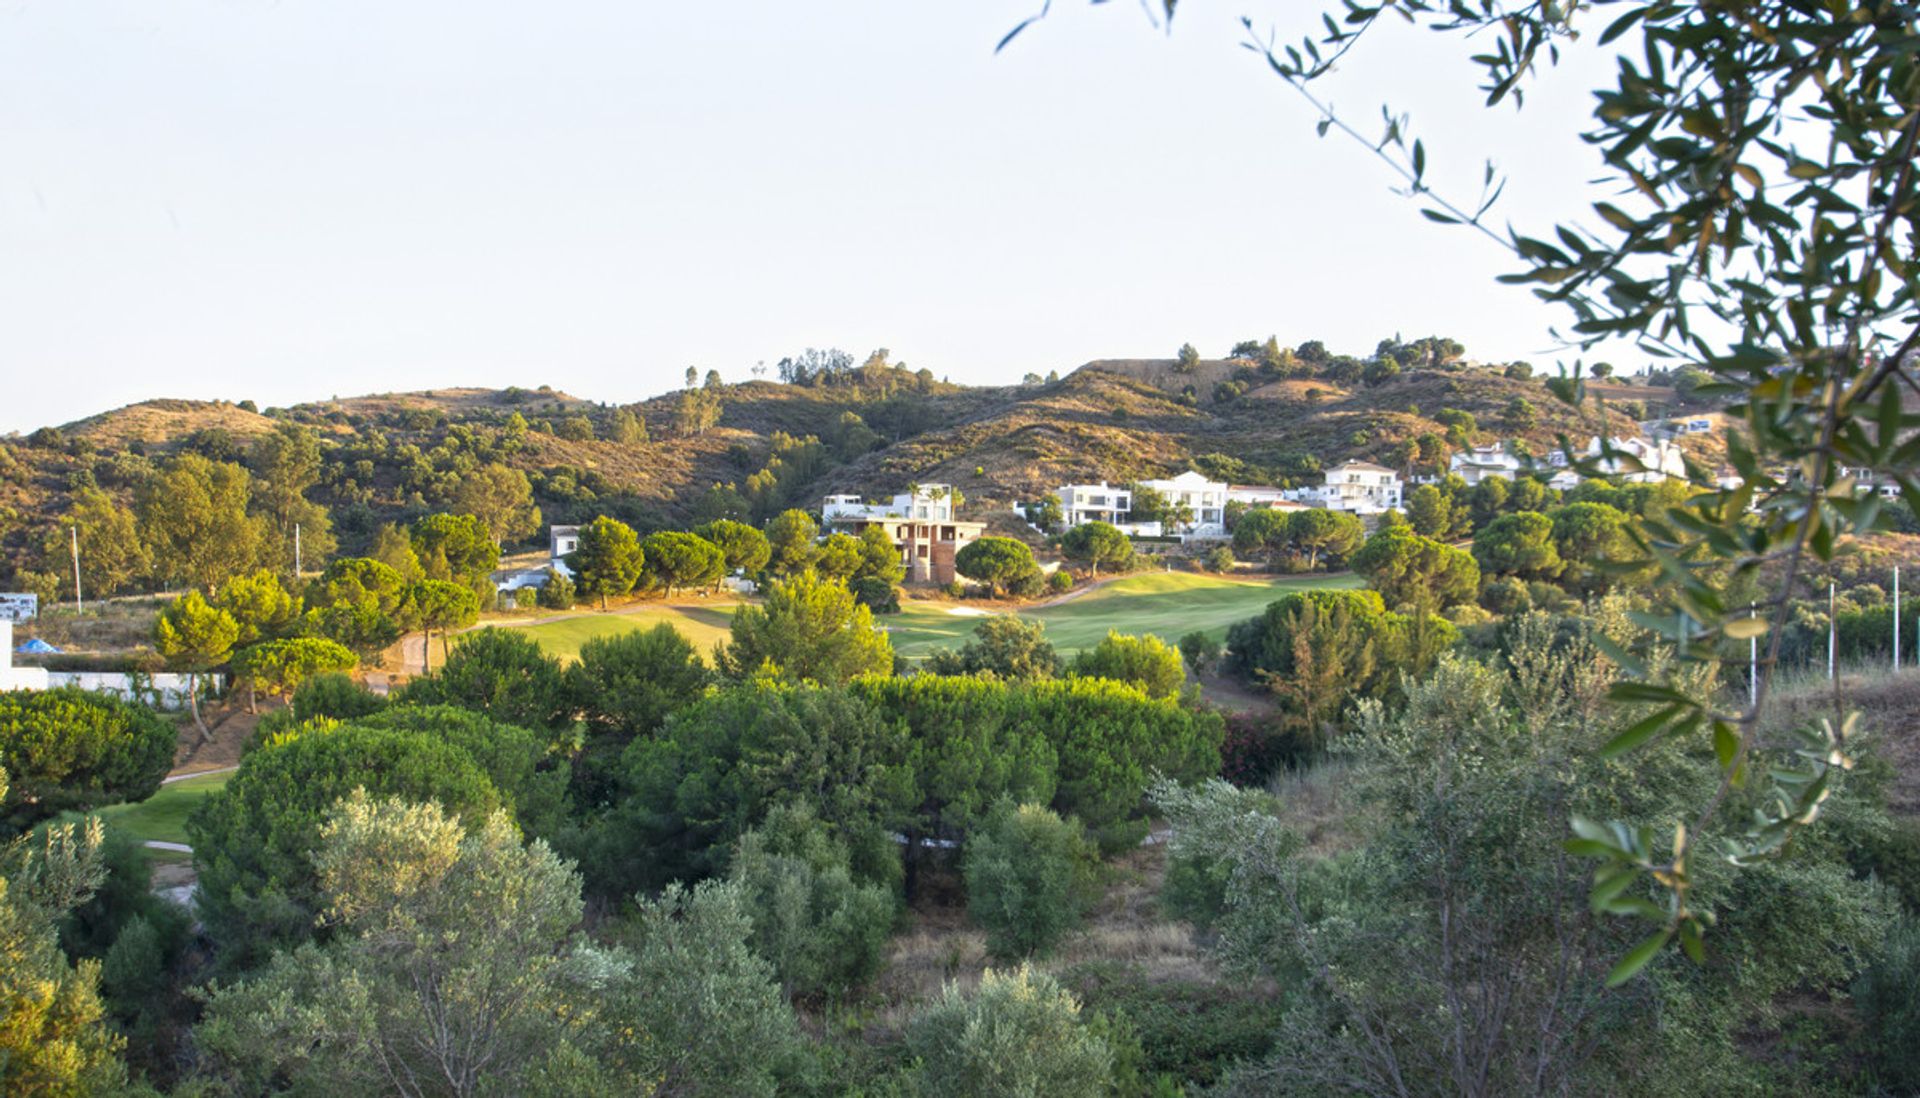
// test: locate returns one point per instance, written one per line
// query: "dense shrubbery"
(1019, 1033)
(76, 749)
(823, 930)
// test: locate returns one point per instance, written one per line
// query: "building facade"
(919, 522)
(1482, 462)
(1102, 502)
(1204, 500)
(1360, 487)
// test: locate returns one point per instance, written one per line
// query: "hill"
(753, 448)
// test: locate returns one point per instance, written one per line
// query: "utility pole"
(1833, 634)
(1753, 663)
(78, 605)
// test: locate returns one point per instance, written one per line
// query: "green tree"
(809, 629)
(259, 605)
(718, 766)
(1200, 651)
(995, 561)
(69, 748)
(1407, 568)
(451, 971)
(440, 605)
(629, 427)
(1429, 511)
(1019, 1032)
(1096, 543)
(1004, 646)
(502, 673)
(1029, 878)
(1518, 545)
(556, 593)
(501, 497)
(1318, 533)
(361, 603)
(194, 519)
(1187, 360)
(1262, 532)
(393, 547)
(837, 557)
(821, 929)
(625, 686)
(281, 667)
(1145, 660)
(286, 464)
(790, 538)
(55, 1040)
(111, 555)
(609, 560)
(879, 558)
(1520, 415)
(194, 638)
(678, 559)
(1587, 536)
(459, 549)
(746, 549)
(253, 838)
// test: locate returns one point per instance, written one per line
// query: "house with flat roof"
(1205, 501)
(1481, 462)
(1102, 502)
(918, 521)
(1636, 460)
(1359, 487)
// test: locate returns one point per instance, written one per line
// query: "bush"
(1507, 597)
(1254, 749)
(1060, 582)
(558, 593)
(1190, 1033)
(502, 673)
(1219, 559)
(1145, 660)
(1029, 875)
(955, 590)
(1003, 645)
(334, 695)
(526, 598)
(1200, 651)
(881, 596)
(823, 931)
(77, 749)
(1887, 997)
(1019, 1033)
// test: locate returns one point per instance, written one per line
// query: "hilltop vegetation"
(748, 450)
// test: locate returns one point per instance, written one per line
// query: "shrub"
(1028, 875)
(334, 695)
(822, 930)
(1507, 597)
(1145, 660)
(1003, 645)
(1019, 1033)
(1060, 582)
(1200, 651)
(1219, 559)
(502, 673)
(1254, 748)
(77, 749)
(955, 590)
(558, 592)
(1887, 997)
(879, 595)
(1191, 1033)
(526, 598)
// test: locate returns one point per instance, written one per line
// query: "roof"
(1367, 465)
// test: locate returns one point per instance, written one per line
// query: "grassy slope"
(703, 625)
(1168, 605)
(163, 816)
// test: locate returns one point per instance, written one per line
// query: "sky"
(289, 200)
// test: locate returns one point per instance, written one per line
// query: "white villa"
(1259, 495)
(1102, 502)
(1205, 499)
(1359, 487)
(1481, 462)
(1638, 461)
(561, 540)
(919, 521)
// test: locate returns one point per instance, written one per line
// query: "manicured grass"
(703, 625)
(163, 816)
(1166, 604)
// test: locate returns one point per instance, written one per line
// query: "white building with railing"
(1204, 501)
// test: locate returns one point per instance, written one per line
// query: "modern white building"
(561, 540)
(1205, 501)
(1638, 461)
(1102, 502)
(1481, 462)
(1257, 495)
(919, 521)
(1360, 487)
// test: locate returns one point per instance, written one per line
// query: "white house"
(1257, 495)
(1481, 462)
(1360, 487)
(17, 678)
(1566, 480)
(561, 540)
(1205, 500)
(1084, 503)
(920, 522)
(1637, 461)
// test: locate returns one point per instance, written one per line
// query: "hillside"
(388, 457)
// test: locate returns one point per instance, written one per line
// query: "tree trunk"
(193, 704)
(426, 652)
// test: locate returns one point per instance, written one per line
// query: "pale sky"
(290, 200)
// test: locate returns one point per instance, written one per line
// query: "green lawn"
(1166, 604)
(1169, 605)
(703, 625)
(163, 816)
